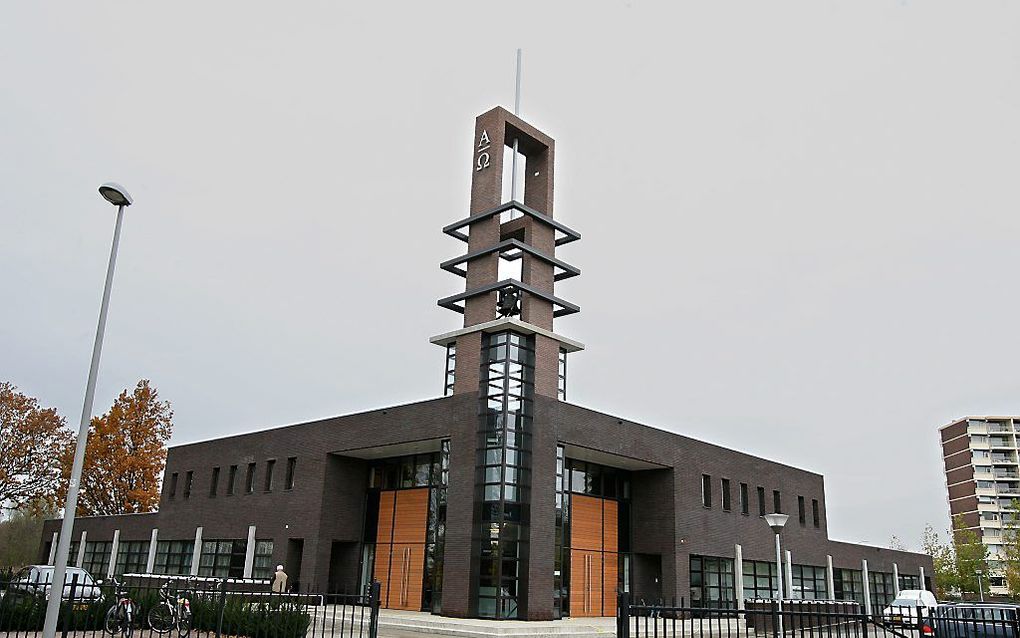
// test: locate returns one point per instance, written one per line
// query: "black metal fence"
(183, 608)
(815, 619)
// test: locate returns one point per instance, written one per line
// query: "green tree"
(971, 556)
(19, 536)
(944, 560)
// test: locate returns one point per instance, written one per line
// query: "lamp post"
(981, 590)
(777, 522)
(116, 195)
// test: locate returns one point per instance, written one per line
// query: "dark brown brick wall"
(952, 431)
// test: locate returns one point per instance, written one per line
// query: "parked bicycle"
(173, 610)
(120, 617)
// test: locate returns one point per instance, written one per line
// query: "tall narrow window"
(451, 369)
(214, 482)
(232, 480)
(188, 480)
(270, 464)
(745, 507)
(726, 494)
(706, 490)
(288, 481)
(173, 485)
(249, 483)
(814, 512)
(801, 511)
(777, 502)
(761, 501)
(561, 388)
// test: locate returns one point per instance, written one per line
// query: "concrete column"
(867, 587)
(789, 574)
(53, 550)
(830, 578)
(113, 554)
(150, 564)
(249, 552)
(896, 580)
(922, 579)
(196, 553)
(738, 575)
(81, 550)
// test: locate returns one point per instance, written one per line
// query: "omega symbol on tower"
(482, 160)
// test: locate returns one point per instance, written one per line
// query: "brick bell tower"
(507, 352)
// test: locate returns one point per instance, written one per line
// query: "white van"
(908, 603)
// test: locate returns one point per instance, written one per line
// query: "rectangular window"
(249, 482)
(189, 478)
(97, 557)
(726, 495)
(222, 558)
(132, 557)
(174, 557)
(262, 567)
(801, 511)
(706, 490)
(777, 502)
(270, 464)
(814, 512)
(214, 482)
(173, 485)
(232, 480)
(745, 507)
(288, 482)
(761, 501)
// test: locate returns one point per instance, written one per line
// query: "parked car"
(908, 604)
(975, 620)
(37, 580)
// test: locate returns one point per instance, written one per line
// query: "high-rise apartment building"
(983, 480)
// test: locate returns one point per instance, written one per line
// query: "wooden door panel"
(381, 572)
(585, 583)
(611, 526)
(610, 573)
(412, 516)
(585, 522)
(406, 573)
(384, 531)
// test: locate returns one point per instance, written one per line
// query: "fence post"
(69, 611)
(623, 615)
(374, 594)
(775, 617)
(222, 605)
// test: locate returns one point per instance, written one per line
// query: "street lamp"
(777, 522)
(981, 590)
(119, 197)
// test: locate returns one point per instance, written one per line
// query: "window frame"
(706, 491)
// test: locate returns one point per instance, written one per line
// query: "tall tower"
(507, 351)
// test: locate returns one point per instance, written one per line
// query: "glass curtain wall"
(507, 389)
(712, 582)
(849, 585)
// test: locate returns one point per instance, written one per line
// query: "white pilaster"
(922, 578)
(80, 560)
(867, 587)
(53, 550)
(196, 553)
(896, 579)
(113, 554)
(249, 552)
(150, 564)
(830, 578)
(738, 575)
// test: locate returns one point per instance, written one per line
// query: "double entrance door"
(400, 547)
(594, 556)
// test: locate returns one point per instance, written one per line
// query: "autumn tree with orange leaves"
(31, 442)
(125, 455)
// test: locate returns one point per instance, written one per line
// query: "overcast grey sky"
(799, 220)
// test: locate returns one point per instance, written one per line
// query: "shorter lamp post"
(777, 522)
(981, 589)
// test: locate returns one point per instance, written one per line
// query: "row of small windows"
(219, 558)
(249, 479)
(745, 504)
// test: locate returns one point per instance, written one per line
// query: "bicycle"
(173, 611)
(120, 617)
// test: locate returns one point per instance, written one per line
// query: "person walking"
(280, 580)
